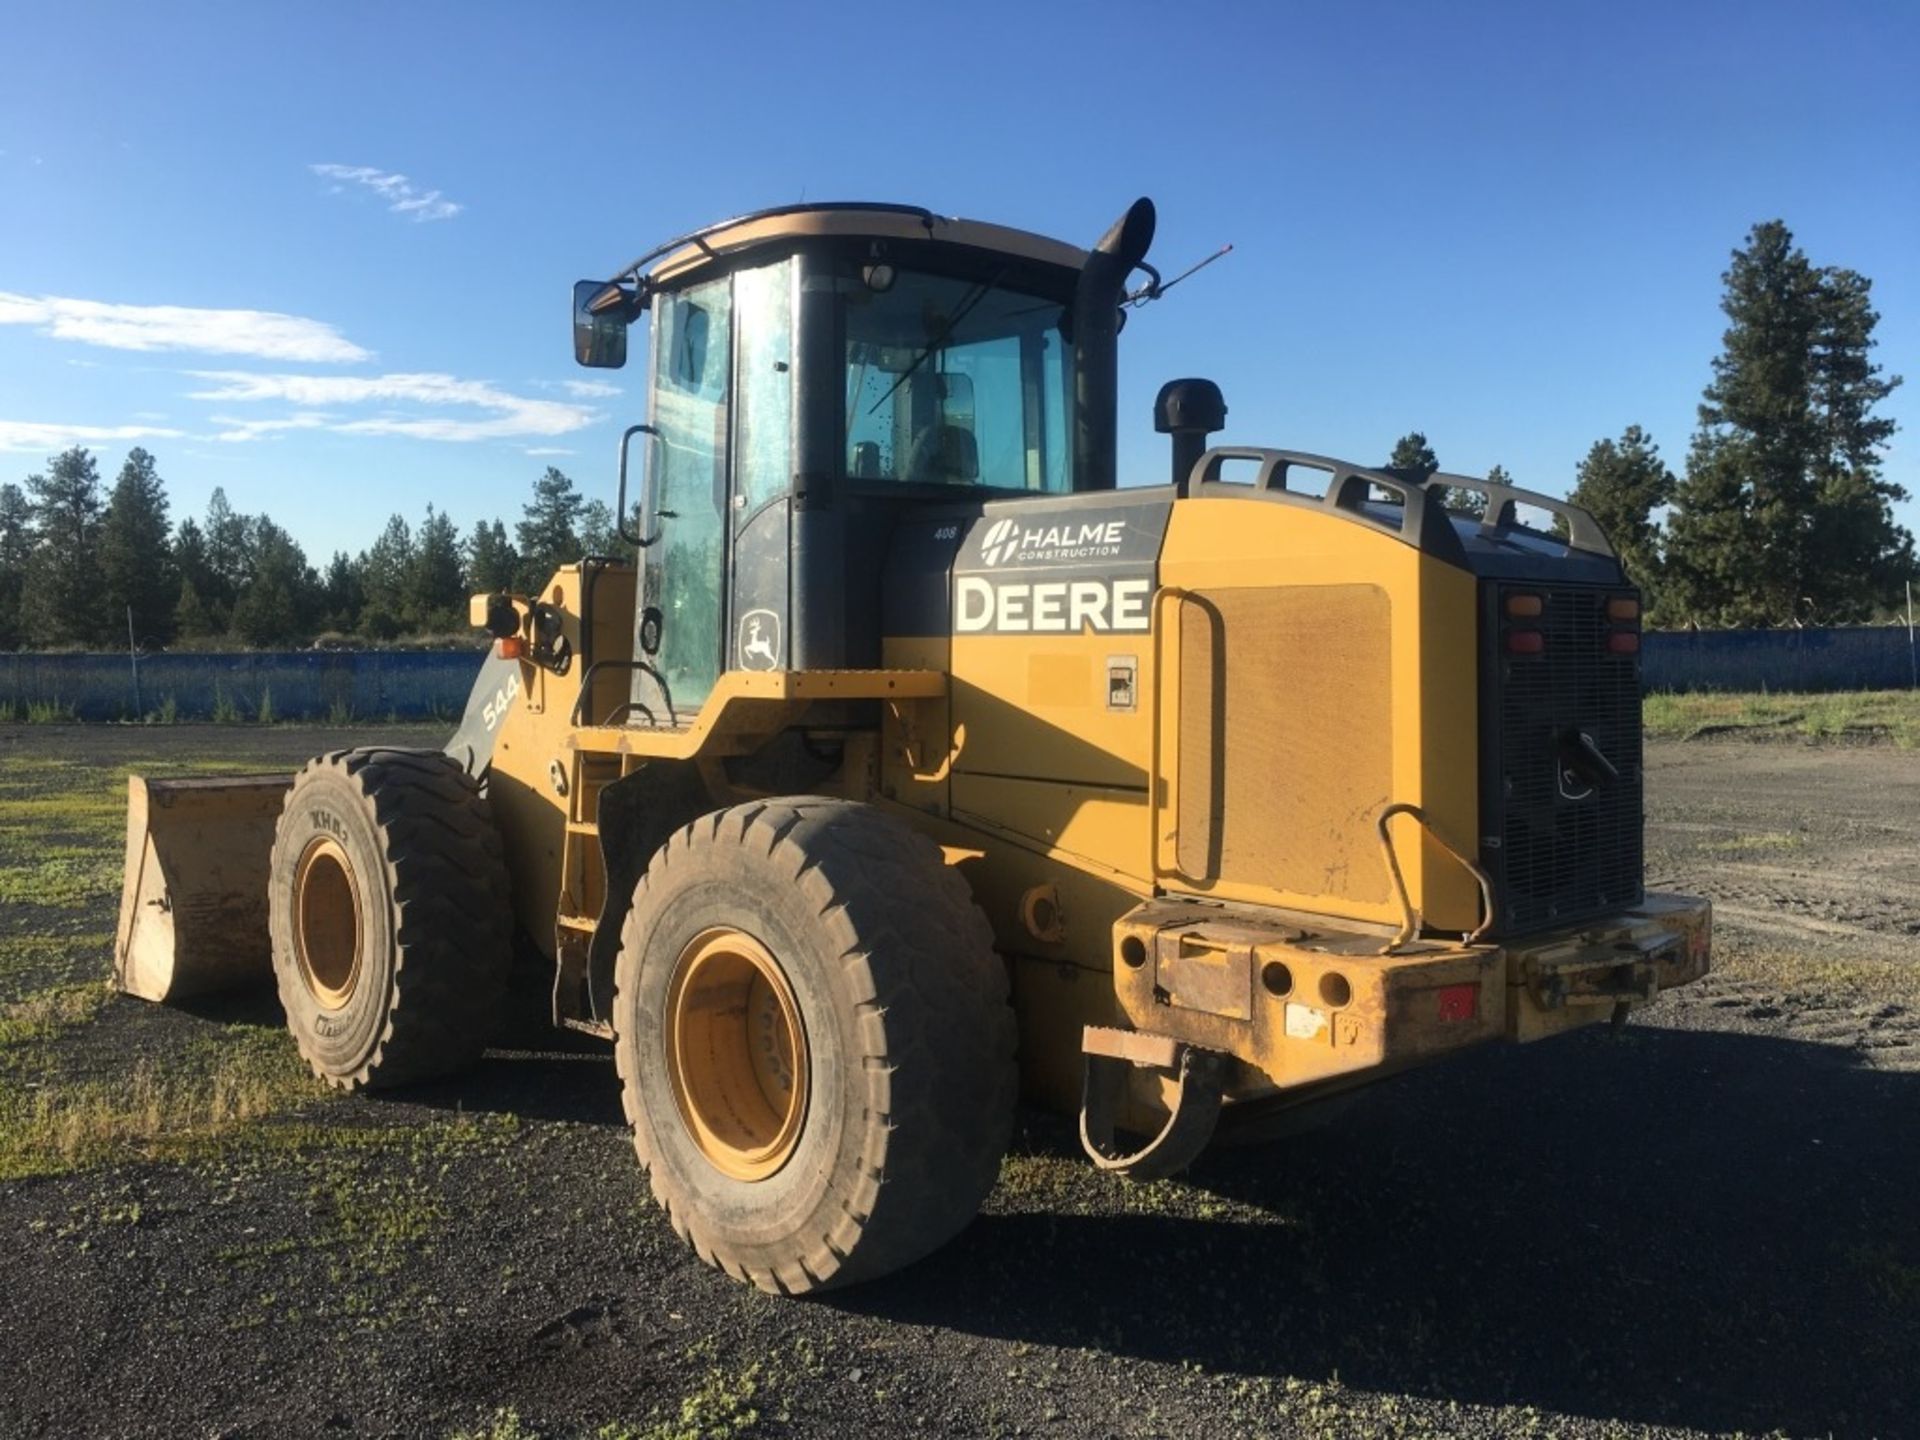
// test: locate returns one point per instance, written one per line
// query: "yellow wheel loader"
(916, 765)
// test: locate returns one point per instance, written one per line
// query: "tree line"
(1782, 515)
(79, 568)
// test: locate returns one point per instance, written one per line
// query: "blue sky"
(1503, 225)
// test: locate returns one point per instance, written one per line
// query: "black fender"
(637, 815)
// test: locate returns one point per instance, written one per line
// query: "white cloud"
(589, 389)
(238, 431)
(547, 450)
(403, 197)
(507, 416)
(32, 436)
(260, 333)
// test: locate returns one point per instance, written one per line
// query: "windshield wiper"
(965, 309)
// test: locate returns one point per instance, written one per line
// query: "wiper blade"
(964, 309)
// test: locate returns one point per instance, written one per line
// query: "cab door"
(683, 619)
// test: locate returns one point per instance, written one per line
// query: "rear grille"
(1560, 848)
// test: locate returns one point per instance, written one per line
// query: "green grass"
(1855, 715)
(201, 1096)
(63, 876)
(47, 1014)
(37, 712)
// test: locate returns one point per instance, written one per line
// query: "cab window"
(955, 382)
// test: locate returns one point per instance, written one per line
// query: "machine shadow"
(544, 1085)
(1679, 1228)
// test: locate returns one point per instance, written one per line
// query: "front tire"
(390, 918)
(814, 1042)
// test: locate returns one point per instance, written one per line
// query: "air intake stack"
(1189, 411)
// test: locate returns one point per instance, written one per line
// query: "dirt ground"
(1710, 1223)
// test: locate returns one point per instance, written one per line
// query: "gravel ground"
(1708, 1224)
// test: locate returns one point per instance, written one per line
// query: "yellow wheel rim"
(326, 930)
(736, 1053)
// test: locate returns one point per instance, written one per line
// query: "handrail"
(1410, 925)
(1583, 531)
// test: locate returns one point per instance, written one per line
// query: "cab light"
(1623, 642)
(1525, 607)
(1623, 607)
(513, 647)
(1526, 642)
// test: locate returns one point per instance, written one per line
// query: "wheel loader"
(917, 765)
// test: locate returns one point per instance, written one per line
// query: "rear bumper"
(1298, 1006)
(1563, 981)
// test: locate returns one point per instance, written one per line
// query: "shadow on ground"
(1680, 1228)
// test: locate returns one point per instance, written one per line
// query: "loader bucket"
(193, 906)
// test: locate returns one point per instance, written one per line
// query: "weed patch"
(49, 1013)
(200, 1098)
(1891, 715)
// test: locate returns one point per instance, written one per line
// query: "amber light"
(1623, 642)
(1525, 607)
(1525, 642)
(512, 647)
(1623, 607)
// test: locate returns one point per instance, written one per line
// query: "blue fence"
(412, 685)
(1861, 657)
(303, 684)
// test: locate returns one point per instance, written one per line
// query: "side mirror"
(600, 314)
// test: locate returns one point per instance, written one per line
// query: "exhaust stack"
(1096, 332)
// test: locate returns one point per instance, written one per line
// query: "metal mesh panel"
(1285, 738)
(1565, 855)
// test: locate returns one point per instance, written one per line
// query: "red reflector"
(1458, 1002)
(512, 647)
(1624, 642)
(1623, 607)
(1525, 607)
(1525, 642)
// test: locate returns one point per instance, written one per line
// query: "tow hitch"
(1193, 1109)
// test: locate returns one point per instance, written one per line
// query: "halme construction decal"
(1060, 569)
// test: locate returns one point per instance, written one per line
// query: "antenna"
(1156, 287)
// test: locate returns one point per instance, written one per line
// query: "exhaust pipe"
(1096, 332)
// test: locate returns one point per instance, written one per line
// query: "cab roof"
(680, 258)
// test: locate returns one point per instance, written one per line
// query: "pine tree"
(549, 536)
(135, 560)
(1413, 457)
(492, 562)
(1861, 557)
(60, 601)
(435, 584)
(384, 569)
(342, 594)
(1622, 483)
(276, 601)
(600, 536)
(1783, 516)
(191, 618)
(226, 554)
(16, 544)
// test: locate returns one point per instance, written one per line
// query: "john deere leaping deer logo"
(760, 640)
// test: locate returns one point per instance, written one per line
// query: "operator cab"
(816, 371)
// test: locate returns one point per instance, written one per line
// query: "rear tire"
(814, 1042)
(389, 910)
